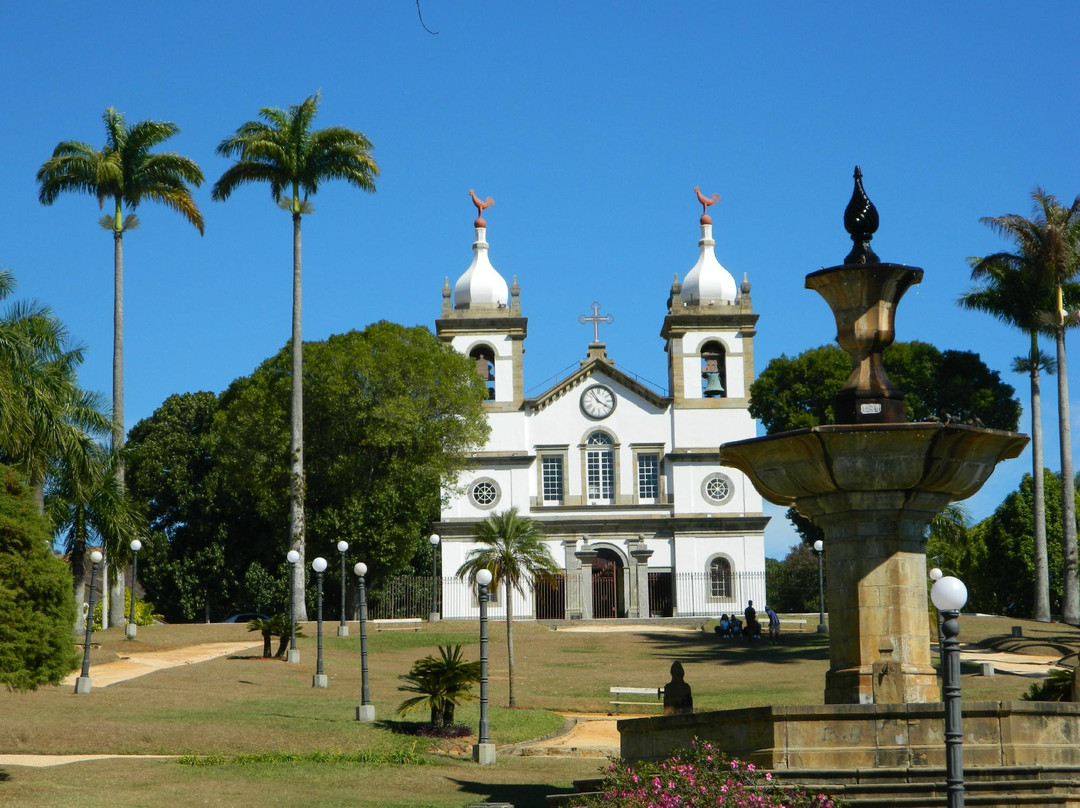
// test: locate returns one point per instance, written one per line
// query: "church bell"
(713, 387)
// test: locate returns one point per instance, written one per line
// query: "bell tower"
(709, 330)
(481, 318)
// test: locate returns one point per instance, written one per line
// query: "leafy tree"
(514, 552)
(127, 172)
(1048, 257)
(36, 604)
(998, 561)
(793, 582)
(795, 393)
(283, 150)
(393, 414)
(441, 683)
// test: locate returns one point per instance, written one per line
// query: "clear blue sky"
(590, 123)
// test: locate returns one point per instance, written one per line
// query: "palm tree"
(1048, 250)
(90, 509)
(1011, 292)
(516, 555)
(283, 150)
(440, 684)
(126, 171)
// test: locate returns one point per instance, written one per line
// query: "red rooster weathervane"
(481, 206)
(706, 202)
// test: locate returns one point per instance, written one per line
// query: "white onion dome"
(481, 285)
(708, 280)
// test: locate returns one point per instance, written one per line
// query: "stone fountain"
(872, 483)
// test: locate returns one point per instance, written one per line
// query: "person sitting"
(753, 627)
(736, 627)
(724, 629)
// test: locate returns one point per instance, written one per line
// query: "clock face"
(598, 402)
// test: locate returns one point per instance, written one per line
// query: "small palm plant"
(276, 626)
(440, 684)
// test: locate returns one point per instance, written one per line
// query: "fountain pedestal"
(873, 489)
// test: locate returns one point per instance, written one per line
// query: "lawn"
(245, 704)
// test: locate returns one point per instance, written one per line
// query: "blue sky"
(590, 123)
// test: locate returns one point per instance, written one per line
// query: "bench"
(624, 697)
(398, 624)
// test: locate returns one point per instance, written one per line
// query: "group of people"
(749, 627)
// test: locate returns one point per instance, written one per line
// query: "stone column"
(572, 580)
(641, 554)
(585, 556)
(875, 557)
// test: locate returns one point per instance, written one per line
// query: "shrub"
(1057, 686)
(700, 775)
(442, 683)
(37, 608)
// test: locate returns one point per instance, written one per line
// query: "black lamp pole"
(136, 545)
(819, 545)
(82, 683)
(343, 630)
(366, 710)
(954, 734)
(319, 565)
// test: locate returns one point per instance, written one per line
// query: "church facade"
(623, 479)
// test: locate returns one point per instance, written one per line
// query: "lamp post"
(819, 546)
(366, 710)
(935, 576)
(949, 595)
(82, 682)
(484, 750)
(136, 545)
(319, 679)
(433, 615)
(342, 629)
(294, 653)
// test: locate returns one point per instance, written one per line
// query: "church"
(624, 480)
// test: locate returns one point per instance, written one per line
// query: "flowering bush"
(699, 776)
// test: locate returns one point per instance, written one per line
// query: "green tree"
(796, 393)
(393, 414)
(126, 172)
(1048, 247)
(283, 150)
(88, 508)
(36, 604)
(514, 551)
(1009, 290)
(441, 683)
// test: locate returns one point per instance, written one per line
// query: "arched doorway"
(607, 584)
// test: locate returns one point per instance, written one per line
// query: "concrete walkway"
(136, 665)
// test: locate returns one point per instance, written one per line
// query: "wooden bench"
(398, 624)
(624, 697)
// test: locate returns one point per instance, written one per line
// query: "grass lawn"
(245, 704)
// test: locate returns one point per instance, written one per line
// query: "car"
(245, 617)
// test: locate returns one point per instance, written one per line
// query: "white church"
(624, 480)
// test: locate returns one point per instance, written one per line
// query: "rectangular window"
(551, 471)
(648, 476)
(600, 472)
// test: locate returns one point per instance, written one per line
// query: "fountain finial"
(861, 221)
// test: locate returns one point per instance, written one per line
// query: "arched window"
(720, 578)
(713, 370)
(600, 467)
(484, 357)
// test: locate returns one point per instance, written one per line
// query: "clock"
(598, 402)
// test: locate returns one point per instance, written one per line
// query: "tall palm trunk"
(1071, 595)
(510, 641)
(296, 431)
(115, 612)
(1042, 572)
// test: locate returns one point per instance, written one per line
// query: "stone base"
(365, 712)
(320, 680)
(293, 656)
(483, 753)
(82, 684)
(871, 736)
(131, 631)
(822, 628)
(883, 683)
(343, 631)
(433, 617)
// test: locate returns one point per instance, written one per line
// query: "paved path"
(131, 667)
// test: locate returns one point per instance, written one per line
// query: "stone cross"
(595, 318)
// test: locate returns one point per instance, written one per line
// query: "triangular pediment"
(593, 369)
